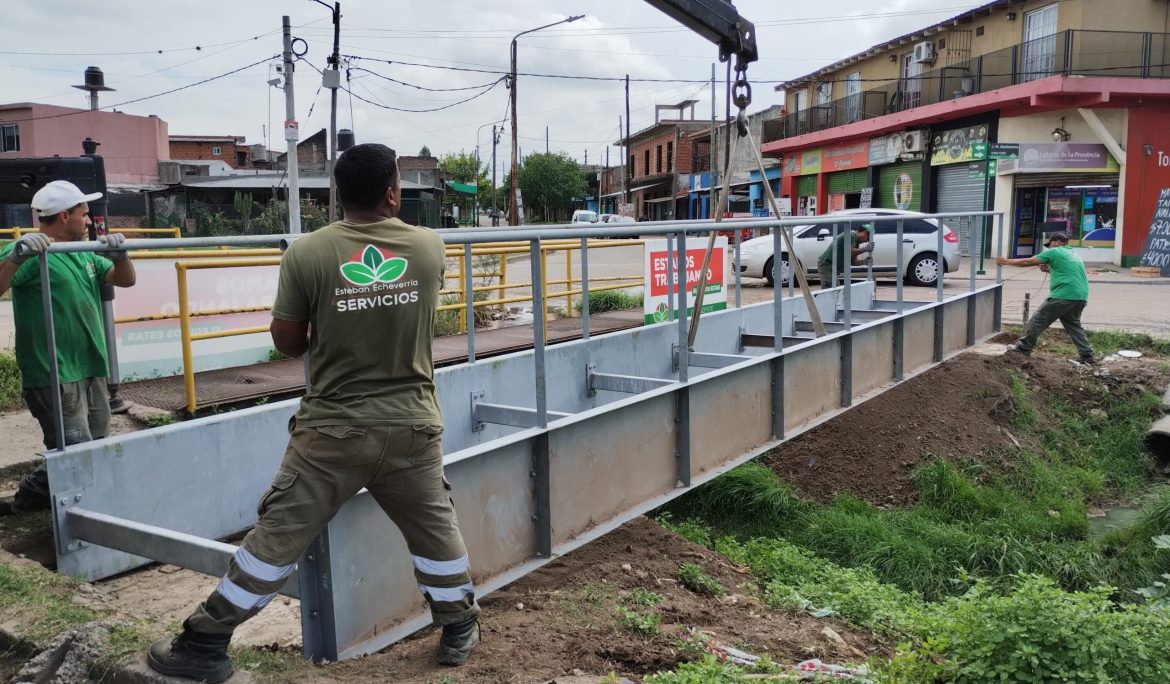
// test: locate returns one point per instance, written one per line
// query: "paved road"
(1117, 300)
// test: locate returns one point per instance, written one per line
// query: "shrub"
(10, 383)
(610, 300)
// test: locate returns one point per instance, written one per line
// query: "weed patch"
(41, 600)
(610, 300)
(691, 576)
(10, 383)
(644, 625)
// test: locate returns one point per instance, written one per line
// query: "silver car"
(919, 248)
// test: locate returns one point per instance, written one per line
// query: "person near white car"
(856, 255)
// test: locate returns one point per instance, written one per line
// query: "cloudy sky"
(149, 48)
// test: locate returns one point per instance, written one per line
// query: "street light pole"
(514, 210)
(477, 133)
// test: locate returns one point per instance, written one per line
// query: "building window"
(670, 157)
(216, 151)
(630, 170)
(658, 160)
(10, 138)
(853, 97)
(646, 163)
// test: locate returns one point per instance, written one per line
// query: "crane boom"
(717, 21)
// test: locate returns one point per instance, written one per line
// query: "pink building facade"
(131, 145)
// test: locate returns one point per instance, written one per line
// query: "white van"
(584, 216)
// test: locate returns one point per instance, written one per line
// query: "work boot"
(192, 655)
(457, 641)
(25, 501)
(1017, 349)
(1089, 360)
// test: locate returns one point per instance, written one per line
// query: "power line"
(148, 97)
(486, 89)
(430, 90)
(575, 77)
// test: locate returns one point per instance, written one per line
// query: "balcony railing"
(1119, 54)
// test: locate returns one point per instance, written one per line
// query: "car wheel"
(785, 271)
(923, 270)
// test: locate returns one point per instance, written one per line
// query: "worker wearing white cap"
(75, 281)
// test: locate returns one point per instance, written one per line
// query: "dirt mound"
(961, 408)
(563, 618)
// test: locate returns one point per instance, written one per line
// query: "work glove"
(868, 248)
(28, 247)
(114, 240)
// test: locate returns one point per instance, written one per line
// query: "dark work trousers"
(323, 467)
(1068, 312)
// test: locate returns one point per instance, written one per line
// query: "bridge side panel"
(730, 415)
(812, 382)
(873, 357)
(918, 339)
(202, 477)
(595, 478)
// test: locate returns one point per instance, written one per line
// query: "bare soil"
(962, 408)
(562, 620)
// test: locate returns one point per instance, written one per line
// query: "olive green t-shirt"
(1069, 280)
(75, 280)
(369, 293)
(843, 258)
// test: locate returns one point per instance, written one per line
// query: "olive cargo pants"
(1068, 312)
(323, 467)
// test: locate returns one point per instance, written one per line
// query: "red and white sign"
(292, 130)
(659, 285)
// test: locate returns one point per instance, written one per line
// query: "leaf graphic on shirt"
(358, 273)
(391, 270)
(372, 258)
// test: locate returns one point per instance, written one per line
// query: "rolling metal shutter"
(1058, 180)
(963, 187)
(806, 186)
(847, 181)
(888, 179)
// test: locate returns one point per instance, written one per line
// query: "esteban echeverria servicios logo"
(373, 265)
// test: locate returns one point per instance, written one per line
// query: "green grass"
(691, 576)
(610, 300)
(10, 383)
(1105, 342)
(160, 420)
(40, 601)
(1027, 517)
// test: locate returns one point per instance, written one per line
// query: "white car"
(617, 218)
(919, 248)
(584, 216)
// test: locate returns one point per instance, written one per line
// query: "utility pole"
(332, 80)
(711, 150)
(630, 171)
(291, 134)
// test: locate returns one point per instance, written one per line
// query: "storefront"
(845, 169)
(900, 186)
(1067, 188)
(804, 167)
(959, 162)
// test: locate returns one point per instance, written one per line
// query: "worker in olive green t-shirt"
(1067, 296)
(75, 280)
(845, 259)
(358, 296)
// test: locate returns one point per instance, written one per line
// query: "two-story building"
(1053, 112)
(659, 164)
(131, 145)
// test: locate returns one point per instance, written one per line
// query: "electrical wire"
(486, 89)
(412, 85)
(147, 97)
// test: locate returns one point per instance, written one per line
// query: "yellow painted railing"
(171, 232)
(270, 257)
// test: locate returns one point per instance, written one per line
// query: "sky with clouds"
(45, 47)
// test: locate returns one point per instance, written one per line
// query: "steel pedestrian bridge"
(547, 448)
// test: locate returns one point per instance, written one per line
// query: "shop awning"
(463, 188)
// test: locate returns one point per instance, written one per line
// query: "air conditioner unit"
(924, 53)
(914, 141)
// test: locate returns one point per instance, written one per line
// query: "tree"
(551, 182)
(425, 151)
(461, 168)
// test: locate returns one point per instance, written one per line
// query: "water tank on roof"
(345, 139)
(94, 78)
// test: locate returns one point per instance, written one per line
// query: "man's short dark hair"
(52, 218)
(364, 173)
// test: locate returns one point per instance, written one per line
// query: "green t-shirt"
(1069, 280)
(369, 293)
(843, 258)
(75, 283)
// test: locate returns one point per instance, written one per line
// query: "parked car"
(584, 216)
(919, 250)
(617, 218)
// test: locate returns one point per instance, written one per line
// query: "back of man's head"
(364, 173)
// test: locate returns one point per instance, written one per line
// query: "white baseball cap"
(60, 196)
